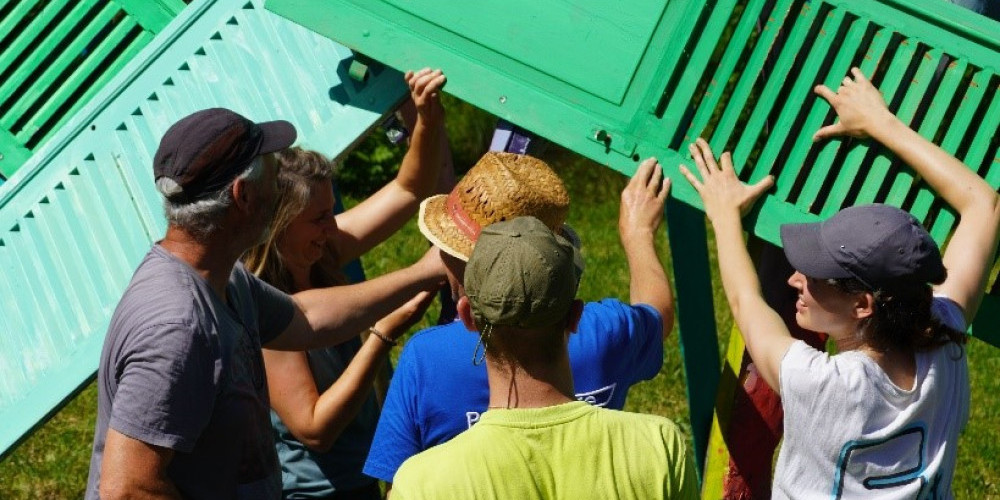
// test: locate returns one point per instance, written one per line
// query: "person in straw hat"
(537, 440)
(440, 387)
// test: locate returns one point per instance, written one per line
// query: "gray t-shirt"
(183, 370)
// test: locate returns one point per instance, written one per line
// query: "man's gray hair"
(202, 217)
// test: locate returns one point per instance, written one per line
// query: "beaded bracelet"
(374, 331)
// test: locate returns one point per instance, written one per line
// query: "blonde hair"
(298, 171)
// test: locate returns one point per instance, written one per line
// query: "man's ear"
(464, 309)
(864, 306)
(243, 194)
(575, 313)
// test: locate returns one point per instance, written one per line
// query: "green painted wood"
(65, 91)
(152, 15)
(938, 117)
(27, 35)
(17, 14)
(34, 63)
(12, 154)
(61, 47)
(748, 80)
(851, 164)
(801, 91)
(714, 94)
(87, 195)
(51, 82)
(916, 90)
(698, 62)
(819, 114)
(961, 123)
(890, 85)
(770, 95)
(696, 321)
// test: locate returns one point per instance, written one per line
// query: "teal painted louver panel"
(79, 215)
(57, 54)
(738, 72)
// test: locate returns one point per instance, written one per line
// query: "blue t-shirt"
(436, 391)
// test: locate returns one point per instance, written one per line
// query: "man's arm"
(639, 217)
(133, 469)
(329, 316)
(968, 258)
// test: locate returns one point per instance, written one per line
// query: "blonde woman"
(324, 409)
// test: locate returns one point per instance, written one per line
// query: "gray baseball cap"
(879, 245)
(522, 274)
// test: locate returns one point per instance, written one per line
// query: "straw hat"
(501, 186)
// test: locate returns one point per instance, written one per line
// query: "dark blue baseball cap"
(879, 245)
(204, 151)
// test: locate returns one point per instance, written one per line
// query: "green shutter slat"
(15, 16)
(42, 82)
(682, 95)
(849, 168)
(56, 92)
(935, 119)
(822, 168)
(959, 125)
(944, 222)
(110, 70)
(916, 91)
(748, 80)
(14, 153)
(890, 85)
(152, 15)
(715, 92)
(769, 96)
(47, 46)
(801, 91)
(28, 34)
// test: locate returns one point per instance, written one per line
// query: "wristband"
(374, 331)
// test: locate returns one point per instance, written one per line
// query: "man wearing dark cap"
(536, 440)
(182, 397)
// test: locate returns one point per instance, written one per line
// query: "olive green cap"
(522, 274)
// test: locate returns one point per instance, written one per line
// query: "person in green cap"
(537, 440)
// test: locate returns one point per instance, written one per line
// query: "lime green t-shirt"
(573, 450)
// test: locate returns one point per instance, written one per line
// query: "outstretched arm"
(329, 316)
(315, 419)
(638, 219)
(725, 198)
(863, 113)
(383, 213)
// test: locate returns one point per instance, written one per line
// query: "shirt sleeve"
(812, 380)
(948, 312)
(167, 381)
(397, 436)
(640, 329)
(275, 308)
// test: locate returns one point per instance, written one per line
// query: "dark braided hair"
(902, 319)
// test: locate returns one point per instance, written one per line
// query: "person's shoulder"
(432, 337)
(431, 459)
(161, 286)
(616, 310)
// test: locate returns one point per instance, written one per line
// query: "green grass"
(53, 463)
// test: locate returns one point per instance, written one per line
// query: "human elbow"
(316, 441)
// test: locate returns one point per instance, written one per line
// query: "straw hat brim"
(440, 229)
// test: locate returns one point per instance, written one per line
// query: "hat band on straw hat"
(463, 222)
